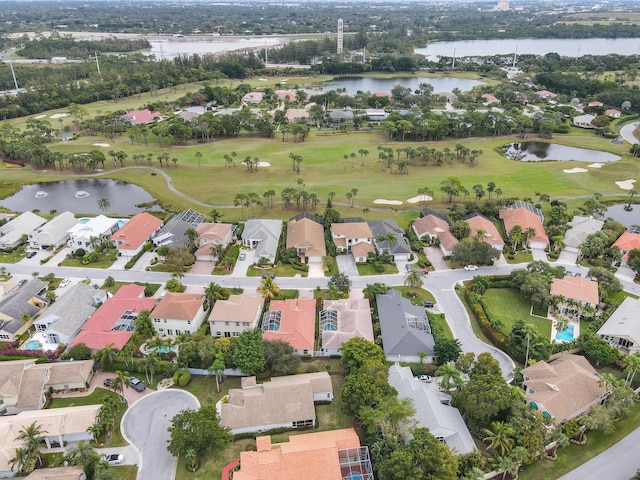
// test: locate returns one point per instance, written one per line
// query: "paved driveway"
(567, 257)
(145, 426)
(347, 264)
(627, 132)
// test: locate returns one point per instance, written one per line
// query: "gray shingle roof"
(383, 227)
(17, 304)
(267, 233)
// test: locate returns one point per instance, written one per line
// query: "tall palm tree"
(413, 280)
(119, 383)
(107, 355)
(31, 437)
(23, 461)
(213, 293)
(217, 368)
(148, 364)
(215, 215)
(500, 437)
(104, 204)
(561, 323)
(268, 288)
(530, 333)
(450, 375)
(631, 364)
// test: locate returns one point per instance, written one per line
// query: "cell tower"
(340, 35)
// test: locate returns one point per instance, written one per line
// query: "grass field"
(507, 305)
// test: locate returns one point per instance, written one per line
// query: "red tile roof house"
(436, 226)
(526, 218)
(491, 235)
(131, 237)
(178, 313)
(355, 238)
(625, 243)
(289, 96)
(564, 388)
(292, 321)
(113, 321)
(612, 112)
(575, 294)
(489, 99)
(334, 455)
(209, 236)
(138, 117)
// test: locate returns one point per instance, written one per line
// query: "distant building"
(12, 232)
(584, 121)
(138, 117)
(85, 234)
(53, 233)
(502, 6)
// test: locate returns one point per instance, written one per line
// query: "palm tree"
(631, 364)
(104, 203)
(215, 215)
(198, 157)
(413, 280)
(500, 437)
(148, 364)
(561, 323)
(268, 288)
(119, 383)
(191, 458)
(106, 356)
(212, 293)
(217, 368)
(23, 461)
(31, 437)
(530, 332)
(450, 375)
(83, 454)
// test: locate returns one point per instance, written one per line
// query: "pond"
(624, 216)
(353, 85)
(80, 196)
(544, 152)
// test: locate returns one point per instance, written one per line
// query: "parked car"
(114, 458)
(470, 268)
(425, 271)
(428, 304)
(424, 378)
(31, 254)
(22, 282)
(408, 267)
(242, 256)
(108, 382)
(137, 384)
(64, 283)
(269, 275)
(95, 285)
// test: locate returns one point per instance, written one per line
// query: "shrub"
(80, 253)
(182, 378)
(378, 267)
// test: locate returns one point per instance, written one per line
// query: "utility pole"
(15, 82)
(97, 63)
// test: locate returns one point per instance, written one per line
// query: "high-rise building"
(340, 35)
(502, 6)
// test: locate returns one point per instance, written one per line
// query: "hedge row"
(182, 378)
(496, 337)
(162, 368)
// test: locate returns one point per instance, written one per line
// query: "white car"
(470, 268)
(114, 458)
(64, 283)
(424, 378)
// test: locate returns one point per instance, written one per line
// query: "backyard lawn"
(507, 305)
(369, 269)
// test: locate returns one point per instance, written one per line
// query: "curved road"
(627, 132)
(144, 425)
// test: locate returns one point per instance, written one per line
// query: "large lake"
(543, 151)
(573, 47)
(79, 196)
(617, 212)
(354, 85)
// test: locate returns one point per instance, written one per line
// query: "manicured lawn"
(422, 294)
(523, 257)
(280, 270)
(574, 455)
(105, 262)
(368, 269)
(13, 257)
(435, 318)
(125, 472)
(507, 305)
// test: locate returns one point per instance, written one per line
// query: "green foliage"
(598, 350)
(174, 285)
(182, 378)
(447, 350)
(364, 390)
(280, 357)
(198, 430)
(341, 282)
(248, 352)
(471, 251)
(357, 351)
(79, 352)
(80, 253)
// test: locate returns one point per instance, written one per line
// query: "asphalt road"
(145, 424)
(627, 133)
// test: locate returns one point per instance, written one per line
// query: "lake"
(80, 196)
(617, 212)
(353, 85)
(542, 152)
(568, 47)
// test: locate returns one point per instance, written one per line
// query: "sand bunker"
(576, 170)
(420, 198)
(264, 164)
(263, 79)
(596, 165)
(38, 117)
(626, 184)
(382, 201)
(59, 115)
(101, 145)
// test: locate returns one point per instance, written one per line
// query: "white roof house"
(622, 330)
(80, 235)
(580, 229)
(584, 121)
(341, 320)
(53, 233)
(263, 236)
(432, 410)
(12, 231)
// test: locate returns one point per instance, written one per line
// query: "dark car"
(108, 382)
(22, 282)
(428, 304)
(137, 384)
(31, 254)
(268, 275)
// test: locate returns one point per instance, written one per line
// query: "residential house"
(292, 321)
(26, 300)
(484, 230)
(253, 97)
(60, 426)
(546, 94)
(628, 241)
(596, 104)
(114, 322)
(53, 233)
(354, 238)
(296, 115)
(229, 318)
(435, 227)
(210, 235)
(61, 321)
(337, 116)
(528, 218)
(282, 402)
(131, 237)
(433, 410)
(191, 113)
(376, 115)
(612, 112)
(173, 233)
(139, 117)
(285, 96)
(622, 329)
(24, 383)
(584, 121)
(85, 234)
(307, 237)
(580, 229)
(389, 238)
(334, 454)
(13, 232)
(405, 328)
(564, 388)
(57, 473)
(341, 320)
(178, 313)
(264, 237)
(488, 99)
(575, 294)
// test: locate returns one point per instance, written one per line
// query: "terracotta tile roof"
(576, 288)
(447, 240)
(430, 224)
(351, 230)
(141, 116)
(526, 219)
(136, 231)
(297, 325)
(353, 320)
(626, 242)
(292, 460)
(480, 222)
(239, 308)
(213, 231)
(282, 95)
(362, 249)
(97, 331)
(564, 387)
(178, 306)
(296, 113)
(304, 232)
(58, 473)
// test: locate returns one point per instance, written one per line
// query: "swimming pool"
(31, 345)
(354, 476)
(566, 335)
(151, 350)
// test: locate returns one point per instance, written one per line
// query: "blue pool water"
(150, 350)
(354, 476)
(84, 220)
(121, 223)
(565, 335)
(32, 345)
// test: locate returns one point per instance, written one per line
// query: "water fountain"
(41, 194)
(82, 194)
